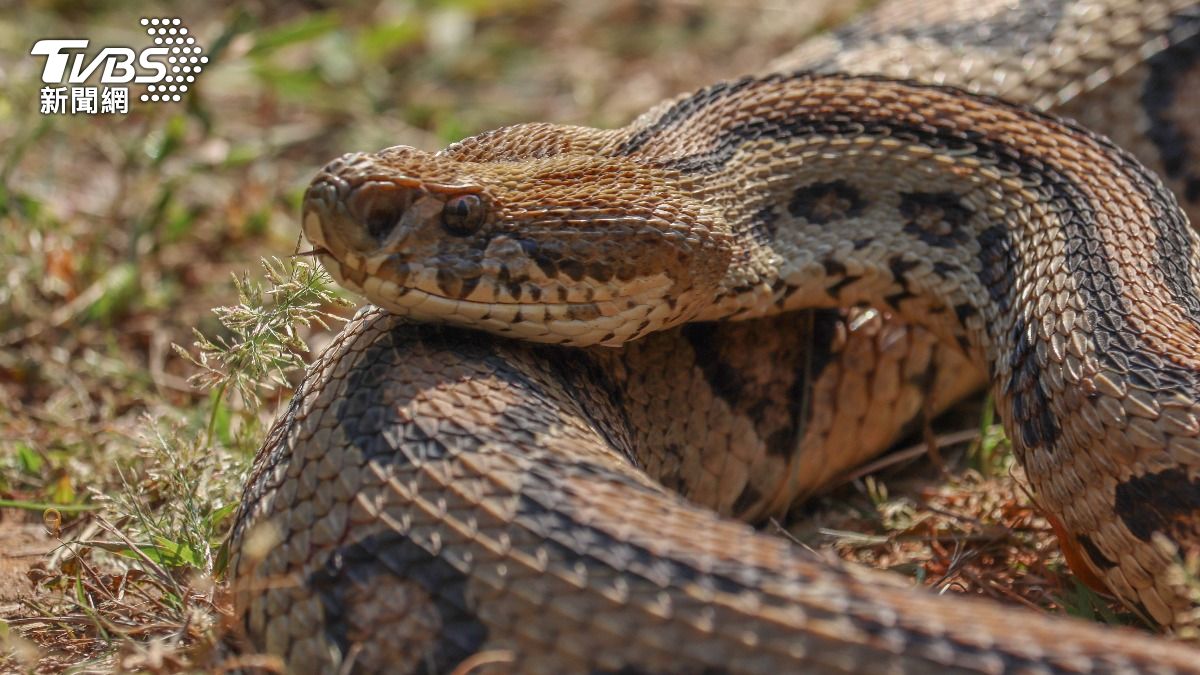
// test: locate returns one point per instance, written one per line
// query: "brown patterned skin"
(395, 529)
(491, 502)
(1126, 68)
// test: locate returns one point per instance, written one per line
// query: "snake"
(596, 357)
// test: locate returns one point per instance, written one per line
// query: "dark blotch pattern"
(764, 225)
(823, 203)
(599, 271)
(1030, 400)
(836, 288)
(452, 285)
(815, 333)
(900, 266)
(825, 327)
(1119, 344)
(726, 382)
(572, 268)
(1167, 502)
(833, 268)
(362, 565)
(965, 311)
(1088, 260)
(554, 259)
(946, 270)
(936, 218)
(838, 271)
(548, 266)
(1093, 552)
(749, 497)
(572, 542)
(369, 420)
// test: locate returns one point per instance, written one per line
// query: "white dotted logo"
(168, 68)
(185, 61)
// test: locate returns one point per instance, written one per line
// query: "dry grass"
(969, 526)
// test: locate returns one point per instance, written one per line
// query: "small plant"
(136, 587)
(265, 346)
(991, 455)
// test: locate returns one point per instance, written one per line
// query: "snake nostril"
(322, 197)
(319, 195)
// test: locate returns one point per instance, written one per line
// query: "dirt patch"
(21, 545)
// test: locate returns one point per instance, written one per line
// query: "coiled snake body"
(436, 498)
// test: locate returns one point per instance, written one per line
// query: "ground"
(120, 233)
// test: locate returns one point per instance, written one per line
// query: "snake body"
(435, 498)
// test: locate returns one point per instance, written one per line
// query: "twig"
(901, 456)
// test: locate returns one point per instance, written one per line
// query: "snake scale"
(438, 499)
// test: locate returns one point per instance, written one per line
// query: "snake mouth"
(610, 322)
(501, 270)
(428, 294)
(314, 252)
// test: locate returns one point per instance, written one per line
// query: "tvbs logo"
(167, 69)
(117, 62)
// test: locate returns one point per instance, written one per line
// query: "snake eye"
(463, 215)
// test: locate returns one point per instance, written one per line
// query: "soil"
(22, 544)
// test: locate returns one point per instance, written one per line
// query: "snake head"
(565, 249)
